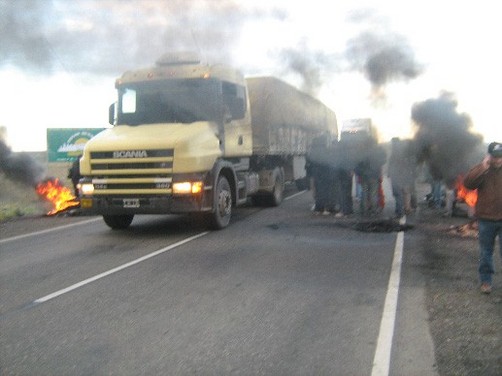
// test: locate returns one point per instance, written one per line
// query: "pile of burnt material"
(468, 230)
(382, 225)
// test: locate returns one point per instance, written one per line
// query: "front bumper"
(115, 205)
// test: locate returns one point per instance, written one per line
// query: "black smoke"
(310, 66)
(20, 167)
(383, 59)
(444, 138)
(381, 55)
(391, 63)
(107, 37)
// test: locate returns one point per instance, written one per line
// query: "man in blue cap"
(486, 177)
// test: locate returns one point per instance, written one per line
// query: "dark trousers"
(488, 231)
(346, 203)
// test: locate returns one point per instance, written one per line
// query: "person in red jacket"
(486, 177)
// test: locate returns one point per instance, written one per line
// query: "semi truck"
(355, 129)
(194, 138)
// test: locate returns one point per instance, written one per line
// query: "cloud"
(106, 37)
(24, 29)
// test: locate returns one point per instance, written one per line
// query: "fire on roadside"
(464, 194)
(54, 192)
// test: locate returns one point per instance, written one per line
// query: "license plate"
(86, 203)
(130, 203)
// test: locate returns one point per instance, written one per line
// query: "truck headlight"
(87, 189)
(187, 187)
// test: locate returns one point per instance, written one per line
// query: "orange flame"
(464, 194)
(61, 197)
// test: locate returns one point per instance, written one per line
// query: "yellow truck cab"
(183, 141)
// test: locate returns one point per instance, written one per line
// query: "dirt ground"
(466, 325)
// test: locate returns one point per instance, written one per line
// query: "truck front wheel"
(118, 222)
(220, 218)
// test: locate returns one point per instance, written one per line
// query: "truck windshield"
(169, 101)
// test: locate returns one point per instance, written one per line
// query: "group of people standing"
(332, 166)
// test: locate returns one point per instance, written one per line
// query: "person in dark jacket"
(369, 169)
(74, 175)
(345, 161)
(486, 177)
(320, 169)
(401, 171)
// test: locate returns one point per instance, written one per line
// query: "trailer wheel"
(118, 222)
(220, 218)
(277, 194)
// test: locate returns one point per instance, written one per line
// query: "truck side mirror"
(111, 114)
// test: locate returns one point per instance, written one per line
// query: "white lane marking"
(117, 269)
(47, 230)
(381, 361)
(292, 196)
(114, 270)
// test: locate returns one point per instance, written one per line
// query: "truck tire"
(220, 218)
(277, 194)
(118, 222)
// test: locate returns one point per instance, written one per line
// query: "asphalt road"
(278, 292)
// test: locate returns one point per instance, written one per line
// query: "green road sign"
(67, 144)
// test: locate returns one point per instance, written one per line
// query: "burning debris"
(60, 196)
(468, 230)
(382, 225)
(24, 169)
(466, 195)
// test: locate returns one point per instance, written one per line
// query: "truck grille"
(131, 165)
(132, 172)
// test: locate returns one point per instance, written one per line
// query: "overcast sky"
(59, 59)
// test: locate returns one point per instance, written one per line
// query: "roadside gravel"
(466, 325)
